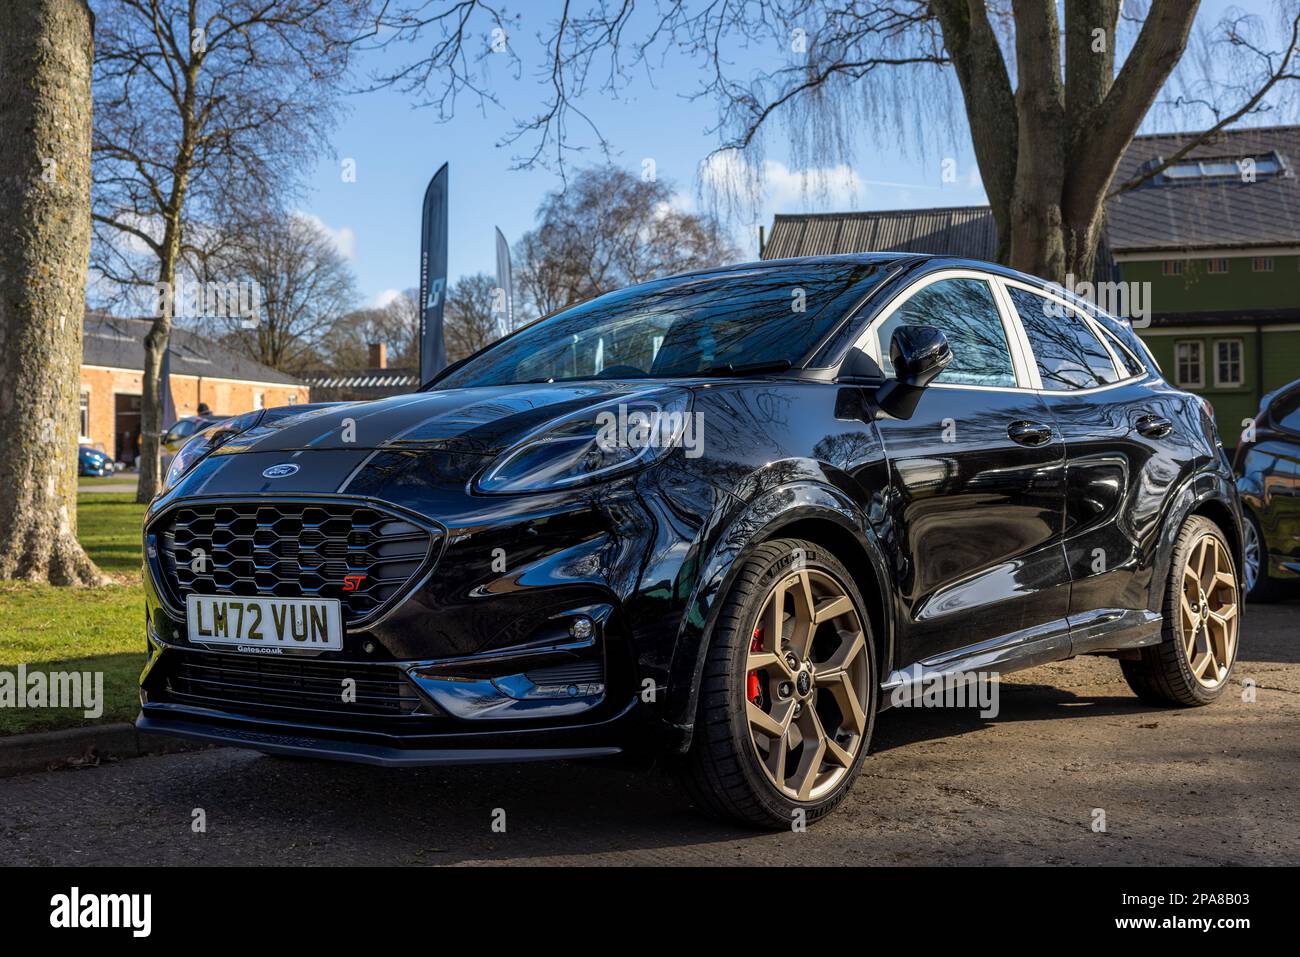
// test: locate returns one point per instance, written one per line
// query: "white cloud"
(384, 298)
(345, 240)
(780, 189)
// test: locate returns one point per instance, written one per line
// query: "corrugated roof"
(119, 344)
(966, 231)
(1159, 215)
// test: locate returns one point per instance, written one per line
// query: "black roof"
(1208, 213)
(1162, 214)
(119, 344)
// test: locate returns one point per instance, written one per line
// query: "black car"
(1268, 469)
(729, 515)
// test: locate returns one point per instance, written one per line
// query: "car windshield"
(688, 325)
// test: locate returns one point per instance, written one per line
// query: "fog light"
(581, 627)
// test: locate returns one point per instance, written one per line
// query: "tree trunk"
(46, 48)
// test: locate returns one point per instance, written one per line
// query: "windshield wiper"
(747, 368)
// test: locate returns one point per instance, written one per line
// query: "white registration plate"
(285, 624)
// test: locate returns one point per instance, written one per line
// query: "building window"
(1227, 364)
(1218, 266)
(1189, 364)
(85, 412)
(1262, 264)
(293, 398)
(1171, 267)
(259, 400)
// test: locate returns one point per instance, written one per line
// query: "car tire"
(1264, 588)
(1167, 673)
(726, 772)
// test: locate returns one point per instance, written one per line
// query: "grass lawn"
(82, 629)
(90, 481)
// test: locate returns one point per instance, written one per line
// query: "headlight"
(213, 437)
(594, 443)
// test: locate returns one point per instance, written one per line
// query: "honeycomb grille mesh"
(293, 550)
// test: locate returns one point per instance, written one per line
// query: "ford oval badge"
(283, 470)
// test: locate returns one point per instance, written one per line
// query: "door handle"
(1030, 433)
(1153, 426)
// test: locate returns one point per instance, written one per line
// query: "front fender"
(753, 523)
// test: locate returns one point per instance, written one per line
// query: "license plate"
(285, 624)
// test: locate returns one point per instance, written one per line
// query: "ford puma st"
(729, 515)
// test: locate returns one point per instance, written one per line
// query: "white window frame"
(1200, 364)
(1121, 373)
(1210, 270)
(83, 405)
(1023, 361)
(1220, 383)
(1172, 267)
(1266, 262)
(868, 341)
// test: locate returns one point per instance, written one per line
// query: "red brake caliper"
(752, 688)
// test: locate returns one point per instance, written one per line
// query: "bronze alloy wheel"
(806, 676)
(1209, 610)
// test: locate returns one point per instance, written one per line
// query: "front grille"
(293, 687)
(293, 550)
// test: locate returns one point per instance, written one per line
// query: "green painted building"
(1209, 247)
(1216, 236)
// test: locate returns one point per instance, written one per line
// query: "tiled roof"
(1220, 213)
(119, 344)
(1159, 215)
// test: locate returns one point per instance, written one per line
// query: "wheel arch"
(821, 514)
(1213, 497)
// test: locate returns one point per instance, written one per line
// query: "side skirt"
(1100, 631)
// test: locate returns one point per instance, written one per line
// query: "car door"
(976, 505)
(1128, 441)
(1280, 442)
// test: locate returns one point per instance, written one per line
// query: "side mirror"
(919, 354)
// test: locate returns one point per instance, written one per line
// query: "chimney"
(379, 355)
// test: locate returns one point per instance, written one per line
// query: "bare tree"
(301, 282)
(608, 229)
(45, 64)
(1051, 106)
(473, 319)
(203, 107)
(396, 324)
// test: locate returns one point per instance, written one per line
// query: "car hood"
(479, 421)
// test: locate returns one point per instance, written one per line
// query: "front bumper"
(325, 744)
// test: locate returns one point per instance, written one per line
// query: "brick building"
(112, 367)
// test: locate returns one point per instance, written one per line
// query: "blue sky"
(397, 147)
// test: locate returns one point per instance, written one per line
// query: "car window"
(965, 312)
(1286, 412)
(1069, 356)
(181, 430)
(1132, 365)
(681, 326)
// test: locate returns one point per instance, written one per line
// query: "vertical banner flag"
(505, 283)
(433, 276)
(165, 389)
